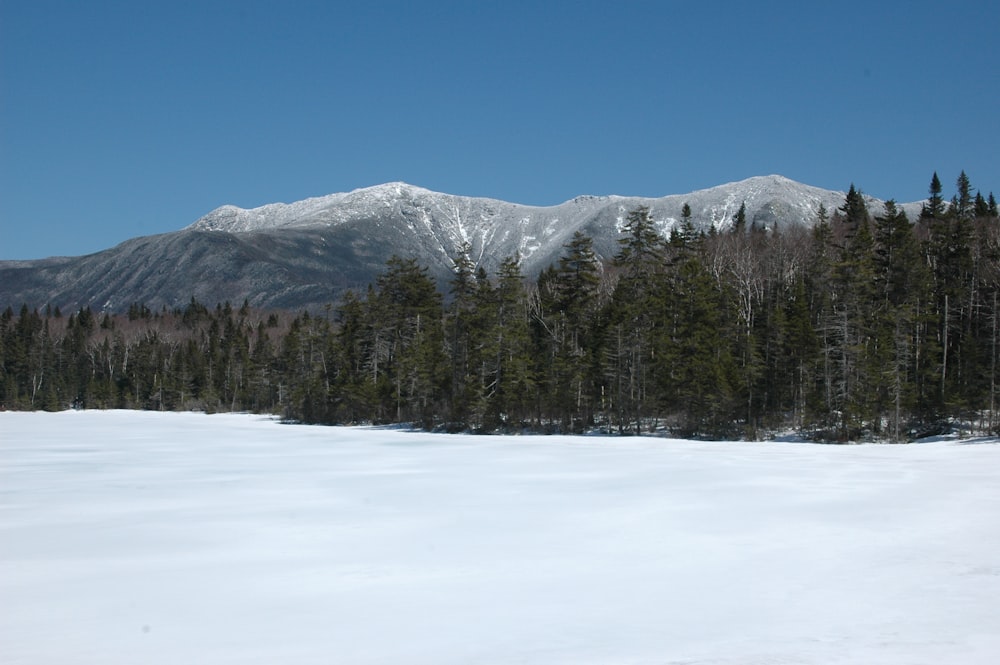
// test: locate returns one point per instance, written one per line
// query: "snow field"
(130, 537)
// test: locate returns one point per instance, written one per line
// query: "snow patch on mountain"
(456, 220)
(307, 253)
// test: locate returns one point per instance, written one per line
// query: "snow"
(432, 227)
(129, 537)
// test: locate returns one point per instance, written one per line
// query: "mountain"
(307, 253)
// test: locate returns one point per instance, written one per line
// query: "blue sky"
(120, 119)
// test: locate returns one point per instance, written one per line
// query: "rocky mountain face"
(306, 254)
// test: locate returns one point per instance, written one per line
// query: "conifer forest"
(865, 326)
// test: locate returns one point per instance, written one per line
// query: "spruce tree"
(963, 205)
(462, 336)
(740, 220)
(410, 310)
(633, 317)
(568, 300)
(512, 360)
(934, 208)
(854, 212)
(686, 234)
(692, 361)
(902, 284)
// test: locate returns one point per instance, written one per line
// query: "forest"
(865, 326)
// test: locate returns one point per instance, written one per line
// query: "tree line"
(865, 325)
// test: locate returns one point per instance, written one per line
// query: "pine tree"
(801, 349)
(951, 259)
(641, 248)
(740, 220)
(640, 261)
(691, 357)
(963, 204)
(358, 351)
(510, 403)
(577, 281)
(858, 358)
(463, 339)
(686, 234)
(410, 310)
(819, 282)
(567, 303)
(934, 208)
(854, 212)
(902, 284)
(982, 209)
(577, 277)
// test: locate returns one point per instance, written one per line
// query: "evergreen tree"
(410, 313)
(900, 280)
(577, 277)
(509, 401)
(641, 248)
(963, 205)
(633, 318)
(576, 281)
(801, 349)
(857, 358)
(854, 212)
(359, 357)
(463, 337)
(982, 209)
(740, 220)
(692, 359)
(819, 282)
(686, 234)
(934, 208)
(567, 302)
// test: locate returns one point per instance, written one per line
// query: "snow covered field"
(130, 537)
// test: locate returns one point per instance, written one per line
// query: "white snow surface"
(130, 537)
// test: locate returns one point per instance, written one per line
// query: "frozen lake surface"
(131, 537)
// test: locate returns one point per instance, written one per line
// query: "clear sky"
(127, 118)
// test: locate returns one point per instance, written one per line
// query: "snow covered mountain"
(496, 229)
(305, 254)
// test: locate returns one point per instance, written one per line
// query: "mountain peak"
(397, 188)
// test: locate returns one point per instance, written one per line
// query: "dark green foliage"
(693, 364)
(853, 213)
(862, 327)
(934, 208)
(635, 311)
(740, 220)
(567, 304)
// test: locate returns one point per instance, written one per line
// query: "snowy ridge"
(321, 210)
(440, 224)
(307, 253)
(770, 201)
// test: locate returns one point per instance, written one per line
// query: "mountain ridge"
(270, 214)
(307, 253)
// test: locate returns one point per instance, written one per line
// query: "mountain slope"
(305, 254)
